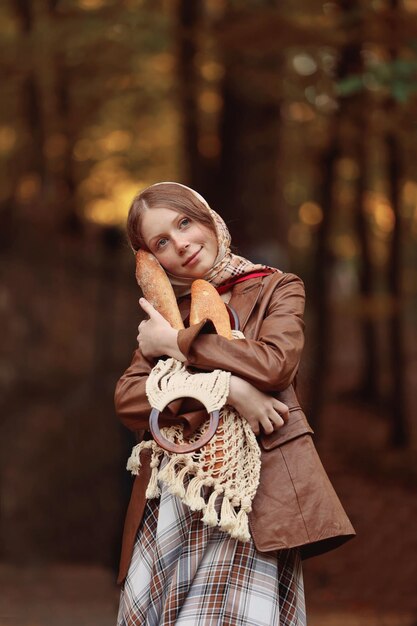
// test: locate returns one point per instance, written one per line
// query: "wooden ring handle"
(234, 319)
(184, 448)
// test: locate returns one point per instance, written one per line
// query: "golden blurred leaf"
(28, 187)
(8, 138)
(310, 213)
(344, 245)
(116, 141)
(91, 5)
(212, 71)
(210, 101)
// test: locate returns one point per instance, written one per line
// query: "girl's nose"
(181, 244)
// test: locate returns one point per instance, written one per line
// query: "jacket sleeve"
(271, 361)
(133, 408)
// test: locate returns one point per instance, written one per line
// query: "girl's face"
(183, 246)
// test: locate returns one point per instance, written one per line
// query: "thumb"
(148, 308)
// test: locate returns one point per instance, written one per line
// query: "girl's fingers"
(282, 409)
(275, 419)
(278, 421)
(267, 425)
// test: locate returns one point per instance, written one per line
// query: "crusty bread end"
(156, 288)
(207, 303)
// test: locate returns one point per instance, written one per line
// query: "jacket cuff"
(186, 336)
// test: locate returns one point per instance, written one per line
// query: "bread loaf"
(156, 288)
(207, 303)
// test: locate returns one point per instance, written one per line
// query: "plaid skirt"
(185, 573)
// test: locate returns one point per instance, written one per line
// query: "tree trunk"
(66, 187)
(188, 19)
(357, 108)
(399, 432)
(32, 159)
(368, 384)
(248, 163)
(321, 287)
(397, 360)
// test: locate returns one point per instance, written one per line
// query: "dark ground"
(371, 581)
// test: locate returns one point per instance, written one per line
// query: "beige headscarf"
(226, 265)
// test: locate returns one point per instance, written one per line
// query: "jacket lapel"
(244, 299)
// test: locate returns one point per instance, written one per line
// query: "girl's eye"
(161, 243)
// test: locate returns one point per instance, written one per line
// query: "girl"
(174, 569)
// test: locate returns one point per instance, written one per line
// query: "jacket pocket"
(296, 426)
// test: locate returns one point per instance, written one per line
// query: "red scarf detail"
(226, 286)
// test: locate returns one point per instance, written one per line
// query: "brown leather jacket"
(295, 504)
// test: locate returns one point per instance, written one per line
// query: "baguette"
(156, 288)
(207, 303)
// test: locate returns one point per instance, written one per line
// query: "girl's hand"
(156, 337)
(259, 409)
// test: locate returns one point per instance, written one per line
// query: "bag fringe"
(234, 480)
(193, 497)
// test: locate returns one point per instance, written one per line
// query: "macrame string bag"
(226, 468)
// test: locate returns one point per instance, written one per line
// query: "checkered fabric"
(186, 573)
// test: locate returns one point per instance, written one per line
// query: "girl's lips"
(193, 258)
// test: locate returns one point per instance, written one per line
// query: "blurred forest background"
(296, 119)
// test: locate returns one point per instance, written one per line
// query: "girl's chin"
(195, 275)
(198, 271)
